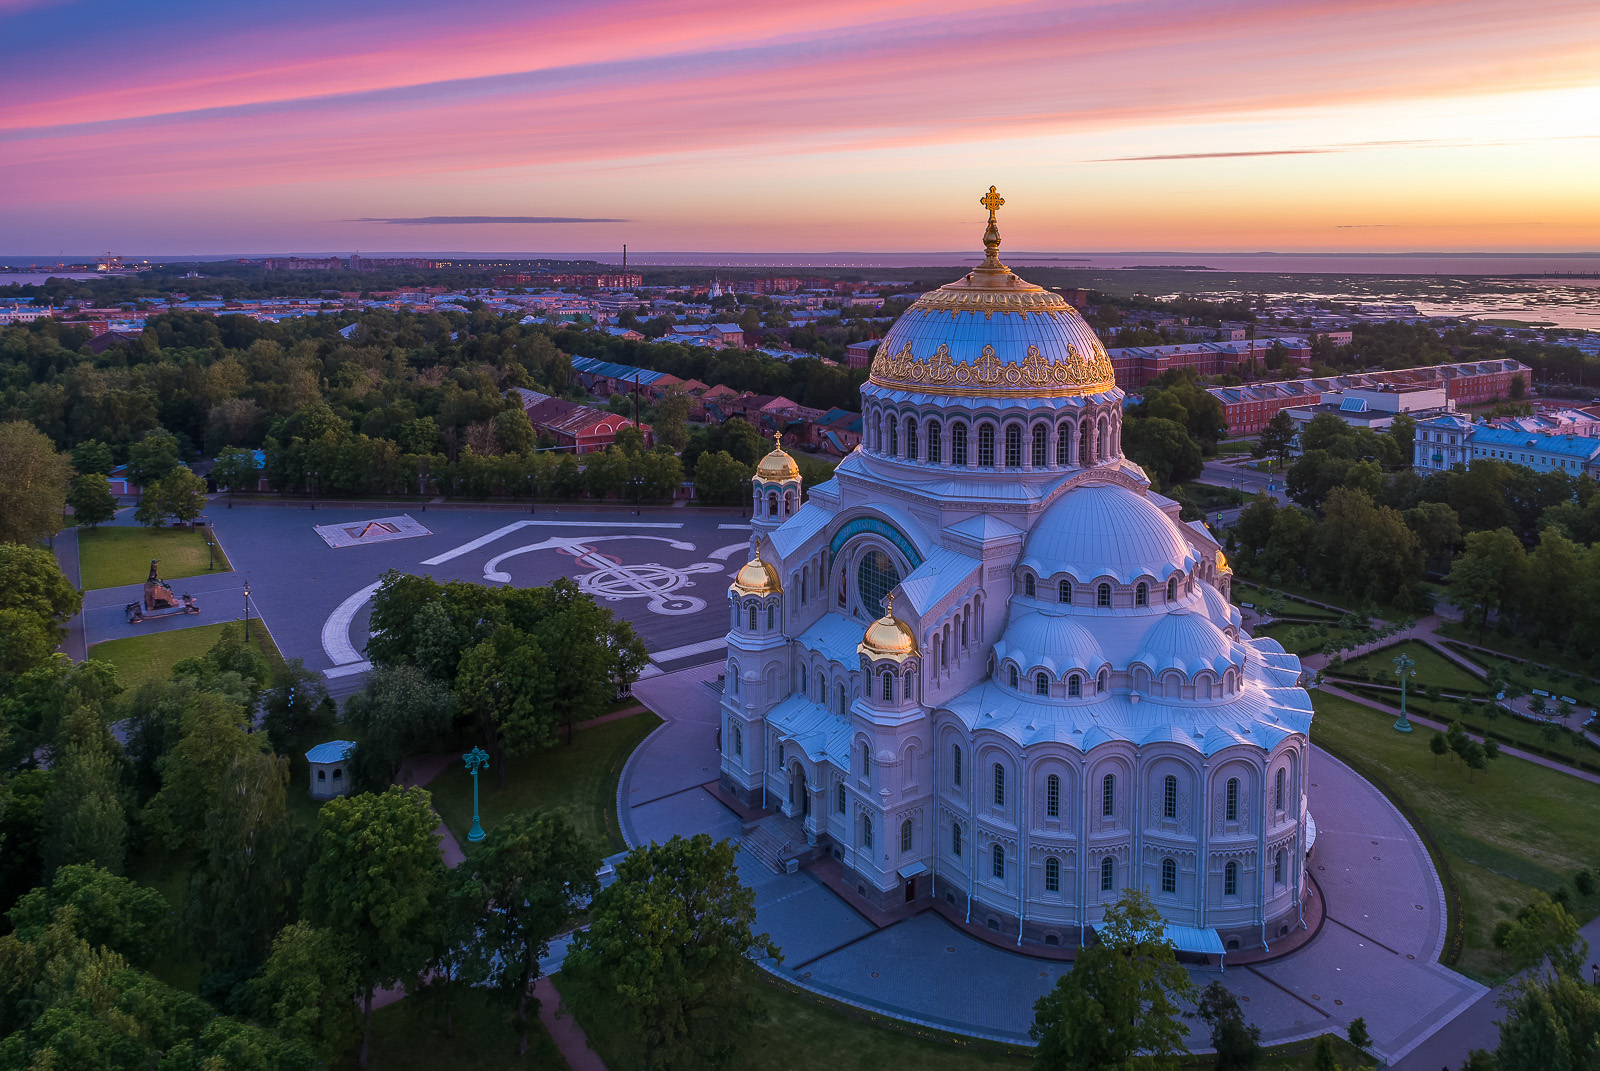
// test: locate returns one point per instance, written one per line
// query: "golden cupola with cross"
(775, 488)
(991, 333)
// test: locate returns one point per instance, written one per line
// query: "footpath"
(564, 1030)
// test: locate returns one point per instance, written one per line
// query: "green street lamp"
(475, 759)
(1404, 668)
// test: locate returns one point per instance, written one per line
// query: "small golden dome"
(756, 577)
(778, 465)
(888, 637)
(1222, 564)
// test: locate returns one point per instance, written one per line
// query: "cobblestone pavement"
(1376, 956)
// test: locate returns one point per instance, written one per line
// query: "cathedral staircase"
(775, 841)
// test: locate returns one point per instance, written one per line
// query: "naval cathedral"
(991, 671)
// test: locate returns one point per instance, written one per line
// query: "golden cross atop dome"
(991, 201)
(991, 236)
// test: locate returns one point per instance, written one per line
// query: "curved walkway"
(1376, 955)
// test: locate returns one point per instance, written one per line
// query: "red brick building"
(579, 428)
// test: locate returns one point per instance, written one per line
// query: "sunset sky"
(168, 127)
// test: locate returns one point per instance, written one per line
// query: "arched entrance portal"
(799, 798)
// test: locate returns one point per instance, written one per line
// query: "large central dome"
(992, 333)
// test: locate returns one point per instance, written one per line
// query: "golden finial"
(991, 237)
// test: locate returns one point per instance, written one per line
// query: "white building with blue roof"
(988, 669)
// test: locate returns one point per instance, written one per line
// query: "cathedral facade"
(988, 667)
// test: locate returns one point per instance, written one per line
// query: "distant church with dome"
(989, 669)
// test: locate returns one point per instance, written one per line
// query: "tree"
(307, 988)
(1238, 1043)
(152, 458)
(34, 491)
(1277, 437)
(720, 479)
(512, 432)
(1322, 1058)
(1438, 532)
(537, 869)
(243, 888)
(452, 932)
(91, 499)
(1358, 1035)
(1518, 388)
(1117, 1009)
(200, 767)
(1486, 577)
(1439, 747)
(1165, 450)
(88, 819)
(295, 703)
(236, 470)
(508, 682)
(669, 945)
(670, 421)
(1542, 928)
(92, 457)
(180, 494)
(36, 601)
(371, 880)
(400, 712)
(107, 911)
(1550, 1023)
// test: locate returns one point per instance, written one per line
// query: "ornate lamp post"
(475, 759)
(247, 611)
(1404, 668)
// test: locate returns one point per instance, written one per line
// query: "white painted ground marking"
(733, 527)
(703, 647)
(485, 540)
(336, 630)
(722, 554)
(348, 670)
(614, 581)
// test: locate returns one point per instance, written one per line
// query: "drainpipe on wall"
(1261, 862)
(1022, 875)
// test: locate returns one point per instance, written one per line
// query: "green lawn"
(1505, 729)
(409, 1037)
(111, 557)
(1502, 834)
(150, 658)
(1211, 498)
(1432, 668)
(841, 1038)
(1243, 591)
(581, 776)
(1304, 639)
(1515, 649)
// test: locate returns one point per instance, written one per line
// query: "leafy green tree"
(1550, 1023)
(452, 931)
(512, 432)
(34, 491)
(372, 879)
(1547, 594)
(295, 703)
(1438, 531)
(669, 946)
(508, 683)
(1238, 1044)
(245, 882)
(537, 869)
(1358, 1035)
(88, 818)
(1542, 928)
(400, 712)
(670, 423)
(22, 825)
(200, 769)
(1439, 746)
(658, 473)
(182, 495)
(152, 458)
(107, 911)
(1277, 437)
(1164, 449)
(308, 990)
(92, 457)
(91, 499)
(1117, 1009)
(236, 470)
(36, 601)
(1322, 1058)
(720, 479)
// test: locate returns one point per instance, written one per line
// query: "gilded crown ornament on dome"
(756, 577)
(888, 636)
(1055, 353)
(777, 465)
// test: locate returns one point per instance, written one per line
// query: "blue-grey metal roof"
(332, 751)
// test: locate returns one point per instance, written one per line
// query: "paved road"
(1376, 956)
(1236, 475)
